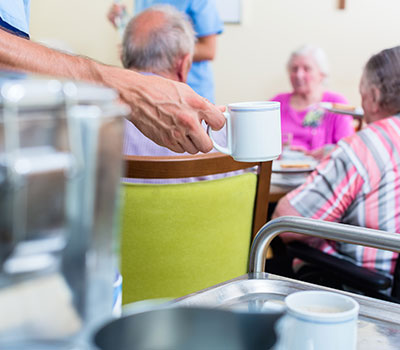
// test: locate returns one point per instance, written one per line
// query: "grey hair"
(159, 51)
(383, 71)
(317, 53)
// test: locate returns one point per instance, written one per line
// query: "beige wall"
(251, 59)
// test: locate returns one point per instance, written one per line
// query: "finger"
(298, 148)
(185, 142)
(188, 145)
(176, 147)
(222, 108)
(213, 116)
(200, 140)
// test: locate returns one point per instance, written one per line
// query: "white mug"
(253, 131)
(319, 320)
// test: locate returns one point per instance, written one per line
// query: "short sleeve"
(205, 17)
(330, 190)
(342, 125)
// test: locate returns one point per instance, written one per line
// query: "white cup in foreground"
(253, 131)
(319, 320)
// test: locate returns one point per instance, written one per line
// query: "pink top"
(329, 129)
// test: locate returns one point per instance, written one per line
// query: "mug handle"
(226, 150)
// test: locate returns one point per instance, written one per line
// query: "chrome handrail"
(317, 228)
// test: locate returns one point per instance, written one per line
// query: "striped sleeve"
(330, 189)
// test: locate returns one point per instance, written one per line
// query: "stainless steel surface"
(317, 228)
(378, 325)
(379, 321)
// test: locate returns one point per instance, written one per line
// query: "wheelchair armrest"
(346, 270)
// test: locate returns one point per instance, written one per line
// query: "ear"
(183, 67)
(120, 51)
(376, 97)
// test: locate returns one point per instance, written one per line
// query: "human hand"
(321, 152)
(168, 112)
(115, 11)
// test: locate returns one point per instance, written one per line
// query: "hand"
(168, 112)
(115, 12)
(321, 152)
(298, 148)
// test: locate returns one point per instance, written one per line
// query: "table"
(284, 182)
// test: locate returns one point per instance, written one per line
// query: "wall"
(251, 59)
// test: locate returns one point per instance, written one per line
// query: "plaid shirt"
(358, 184)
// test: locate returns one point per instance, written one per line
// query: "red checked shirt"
(358, 184)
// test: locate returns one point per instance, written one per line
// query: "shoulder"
(281, 97)
(205, 17)
(386, 123)
(330, 96)
(361, 146)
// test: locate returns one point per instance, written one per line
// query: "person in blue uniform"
(207, 25)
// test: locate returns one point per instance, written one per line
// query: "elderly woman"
(359, 182)
(311, 126)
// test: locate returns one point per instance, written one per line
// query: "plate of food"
(293, 166)
(341, 108)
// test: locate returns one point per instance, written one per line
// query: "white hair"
(317, 53)
(165, 44)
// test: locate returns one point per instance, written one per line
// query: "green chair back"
(181, 238)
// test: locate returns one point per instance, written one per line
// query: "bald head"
(157, 39)
(146, 24)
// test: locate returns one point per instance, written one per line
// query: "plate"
(288, 179)
(357, 112)
(293, 166)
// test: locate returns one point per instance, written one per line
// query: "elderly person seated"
(358, 183)
(159, 41)
(310, 126)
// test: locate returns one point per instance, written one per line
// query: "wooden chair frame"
(144, 167)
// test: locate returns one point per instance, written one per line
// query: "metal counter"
(378, 324)
(379, 321)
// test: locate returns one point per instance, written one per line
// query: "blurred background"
(252, 55)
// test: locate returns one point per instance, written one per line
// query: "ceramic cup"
(319, 320)
(253, 131)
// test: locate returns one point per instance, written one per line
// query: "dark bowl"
(189, 329)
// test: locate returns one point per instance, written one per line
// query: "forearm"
(205, 48)
(284, 208)
(168, 112)
(24, 55)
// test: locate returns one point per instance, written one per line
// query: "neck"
(167, 75)
(302, 101)
(374, 117)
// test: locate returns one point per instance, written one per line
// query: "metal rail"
(318, 228)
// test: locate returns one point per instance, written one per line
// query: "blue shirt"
(16, 14)
(206, 21)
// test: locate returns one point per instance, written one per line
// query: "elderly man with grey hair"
(158, 41)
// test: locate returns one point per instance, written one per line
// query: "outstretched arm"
(168, 112)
